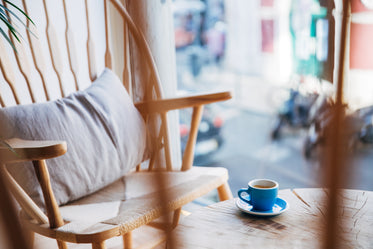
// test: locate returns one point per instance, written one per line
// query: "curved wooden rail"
(164, 105)
(26, 150)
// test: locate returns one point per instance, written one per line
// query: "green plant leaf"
(13, 14)
(20, 10)
(5, 17)
(10, 27)
(7, 38)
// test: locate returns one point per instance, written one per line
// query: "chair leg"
(99, 245)
(127, 240)
(176, 218)
(61, 244)
(30, 238)
(225, 192)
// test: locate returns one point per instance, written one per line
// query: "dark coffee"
(261, 186)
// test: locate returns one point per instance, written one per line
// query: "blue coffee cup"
(262, 194)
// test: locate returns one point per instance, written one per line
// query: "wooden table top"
(223, 225)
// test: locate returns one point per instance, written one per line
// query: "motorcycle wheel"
(275, 133)
(308, 147)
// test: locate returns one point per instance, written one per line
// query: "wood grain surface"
(223, 225)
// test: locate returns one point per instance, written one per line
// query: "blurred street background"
(277, 59)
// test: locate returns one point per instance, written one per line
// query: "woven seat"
(116, 209)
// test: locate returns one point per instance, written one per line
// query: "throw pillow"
(105, 137)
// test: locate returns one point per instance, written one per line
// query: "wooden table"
(222, 225)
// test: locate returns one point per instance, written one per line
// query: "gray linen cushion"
(105, 137)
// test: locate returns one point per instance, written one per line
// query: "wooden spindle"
(153, 88)
(224, 192)
(108, 57)
(14, 233)
(54, 50)
(189, 148)
(156, 147)
(27, 204)
(71, 50)
(144, 49)
(37, 54)
(53, 212)
(7, 71)
(21, 58)
(2, 104)
(126, 66)
(166, 147)
(90, 47)
(24, 67)
(176, 218)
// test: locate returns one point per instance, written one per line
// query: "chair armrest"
(28, 150)
(164, 105)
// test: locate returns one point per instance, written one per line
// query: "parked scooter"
(294, 112)
(359, 129)
(363, 118)
(320, 116)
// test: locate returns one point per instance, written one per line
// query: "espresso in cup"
(261, 186)
(262, 194)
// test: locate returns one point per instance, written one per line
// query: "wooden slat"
(126, 67)
(27, 204)
(37, 54)
(12, 234)
(166, 143)
(90, 47)
(53, 212)
(7, 70)
(189, 149)
(156, 142)
(2, 104)
(158, 158)
(108, 57)
(54, 48)
(152, 86)
(144, 49)
(24, 66)
(71, 50)
(54, 216)
(22, 60)
(132, 69)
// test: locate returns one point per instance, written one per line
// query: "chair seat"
(131, 202)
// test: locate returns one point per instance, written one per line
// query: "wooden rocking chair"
(131, 200)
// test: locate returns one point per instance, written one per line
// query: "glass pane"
(277, 57)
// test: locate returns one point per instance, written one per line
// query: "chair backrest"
(69, 46)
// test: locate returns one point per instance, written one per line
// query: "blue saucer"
(280, 206)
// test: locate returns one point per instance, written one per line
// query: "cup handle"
(244, 190)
